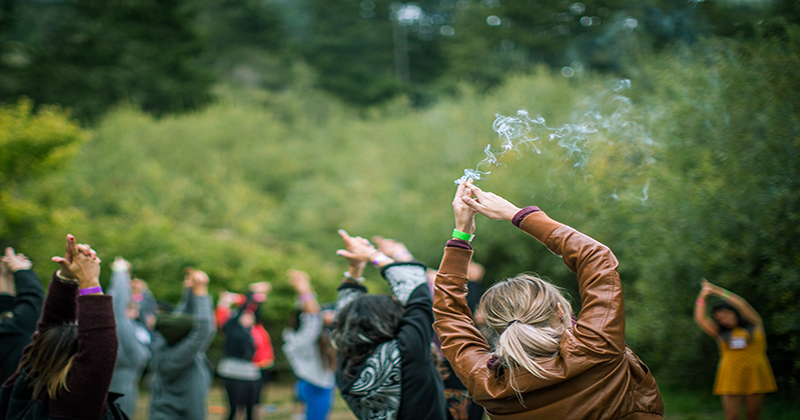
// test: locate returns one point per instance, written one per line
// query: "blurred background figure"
(241, 372)
(307, 346)
(133, 337)
(21, 298)
(66, 371)
(181, 376)
(743, 374)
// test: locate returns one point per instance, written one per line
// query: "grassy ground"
(687, 405)
(278, 394)
(679, 405)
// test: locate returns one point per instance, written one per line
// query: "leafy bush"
(692, 172)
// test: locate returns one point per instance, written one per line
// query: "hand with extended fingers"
(79, 262)
(357, 251)
(488, 204)
(356, 247)
(15, 262)
(395, 249)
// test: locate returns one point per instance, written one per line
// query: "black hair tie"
(509, 324)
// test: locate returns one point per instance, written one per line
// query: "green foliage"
(695, 175)
(728, 207)
(32, 144)
(91, 56)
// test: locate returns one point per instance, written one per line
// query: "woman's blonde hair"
(50, 358)
(524, 312)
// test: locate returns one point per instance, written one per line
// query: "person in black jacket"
(242, 376)
(21, 299)
(385, 369)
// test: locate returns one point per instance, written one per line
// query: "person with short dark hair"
(66, 371)
(743, 373)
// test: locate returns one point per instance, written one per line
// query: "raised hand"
(79, 262)
(121, 264)
(300, 280)
(16, 262)
(707, 288)
(464, 214)
(262, 287)
(395, 249)
(199, 280)
(489, 204)
(357, 248)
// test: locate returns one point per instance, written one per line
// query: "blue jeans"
(318, 400)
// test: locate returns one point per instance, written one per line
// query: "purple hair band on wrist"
(91, 290)
(522, 214)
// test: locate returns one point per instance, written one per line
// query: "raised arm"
(120, 287)
(130, 351)
(182, 354)
(93, 366)
(601, 322)
(747, 312)
(462, 343)
(301, 282)
(701, 314)
(351, 287)
(78, 269)
(19, 279)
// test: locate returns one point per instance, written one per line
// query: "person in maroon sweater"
(66, 371)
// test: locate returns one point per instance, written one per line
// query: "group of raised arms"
(434, 349)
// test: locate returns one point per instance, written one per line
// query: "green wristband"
(726, 295)
(457, 234)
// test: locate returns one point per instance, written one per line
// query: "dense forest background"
(237, 136)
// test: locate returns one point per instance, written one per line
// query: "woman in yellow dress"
(743, 373)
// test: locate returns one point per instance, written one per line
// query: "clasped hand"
(79, 262)
(470, 200)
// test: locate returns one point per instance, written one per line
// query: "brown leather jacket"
(594, 376)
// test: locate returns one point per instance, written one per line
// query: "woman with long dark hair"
(385, 369)
(66, 371)
(743, 373)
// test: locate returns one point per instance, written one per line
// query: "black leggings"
(242, 394)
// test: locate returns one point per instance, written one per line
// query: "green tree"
(32, 144)
(90, 56)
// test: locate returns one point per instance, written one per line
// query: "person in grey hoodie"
(181, 377)
(134, 339)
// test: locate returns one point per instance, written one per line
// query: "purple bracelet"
(90, 290)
